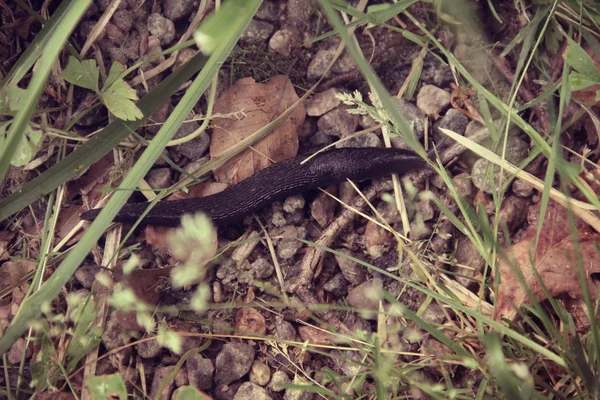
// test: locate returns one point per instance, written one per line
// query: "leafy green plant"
(115, 94)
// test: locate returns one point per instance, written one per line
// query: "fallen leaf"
(260, 104)
(12, 272)
(554, 261)
(5, 238)
(315, 336)
(249, 320)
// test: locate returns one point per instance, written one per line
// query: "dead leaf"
(12, 272)
(315, 336)
(157, 235)
(554, 261)
(249, 320)
(460, 99)
(5, 238)
(260, 104)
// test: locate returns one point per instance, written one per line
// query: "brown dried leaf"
(249, 320)
(11, 272)
(554, 261)
(315, 336)
(260, 104)
(5, 238)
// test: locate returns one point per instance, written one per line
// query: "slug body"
(277, 182)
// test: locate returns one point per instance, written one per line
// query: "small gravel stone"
(285, 41)
(257, 32)
(343, 361)
(467, 254)
(338, 122)
(454, 120)
(522, 188)
(432, 100)
(365, 140)
(159, 376)
(149, 349)
(263, 269)
(86, 275)
(200, 371)
(162, 28)
(123, 19)
(513, 212)
(366, 296)
(297, 394)
(289, 244)
(293, 203)
(193, 149)
(268, 11)
(323, 102)
(278, 379)
(435, 72)
(260, 373)
(233, 362)
(176, 9)
(464, 186)
(159, 178)
(284, 330)
(337, 286)
(352, 271)
(250, 391)
(414, 117)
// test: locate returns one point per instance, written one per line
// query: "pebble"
(200, 371)
(233, 362)
(366, 296)
(250, 391)
(338, 122)
(159, 178)
(323, 102)
(414, 117)
(278, 379)
(260, 373)
(352, 271)
(257, 32)
(432, 100)
(337, 286)
(285, 41)
(162, 28)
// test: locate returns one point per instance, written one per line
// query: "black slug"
(277, 182)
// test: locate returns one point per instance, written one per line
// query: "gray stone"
(366, 296)
(233, 362)
(278, 379)
(432, 100)
(148, 349)
(162, 28)
(257, 32)
(263, 269)
(176, 9)
(352, 271)
(200, 371)
(365, 140)
(414, 117)
(323, 102)
(284, 330)
(260, 373)
(522, 188)
(268, 11)
(337, 286)
(159, 178)
(454, 121)
(285, 41)
(195, 148)
(338, 122)
(250, 391)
